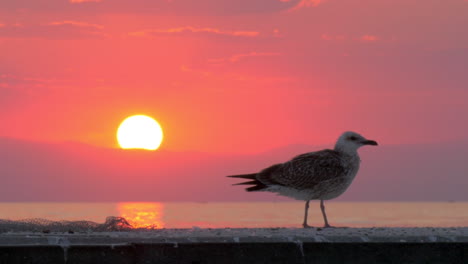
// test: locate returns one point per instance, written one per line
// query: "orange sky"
(235, 75)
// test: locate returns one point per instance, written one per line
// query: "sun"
(139, 132)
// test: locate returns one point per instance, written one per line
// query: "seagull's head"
(350, 141)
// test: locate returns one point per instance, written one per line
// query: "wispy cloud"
(364, 38)
(67, 29)
(214, 75)
(304, 4)
(82, 1)
(195, 30)
(369, 38)
(237, 57)
(75, 23)
(152, 7)
(19, 86)
(14, 80)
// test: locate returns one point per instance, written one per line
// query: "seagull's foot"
(328, 226)
(306, 226)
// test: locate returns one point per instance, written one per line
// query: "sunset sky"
(235, 76)
(230, 77)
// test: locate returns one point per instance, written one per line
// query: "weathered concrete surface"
(267, 245)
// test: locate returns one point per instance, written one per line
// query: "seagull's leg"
(322, 206)
(305, 225)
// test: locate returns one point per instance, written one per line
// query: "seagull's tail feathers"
(251, 176)
(257, 185)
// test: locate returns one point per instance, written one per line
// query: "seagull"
(321, 175)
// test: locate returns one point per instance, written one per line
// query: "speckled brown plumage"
(320, 175)
(316, 175)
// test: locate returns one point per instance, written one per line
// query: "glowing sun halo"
(139, 132)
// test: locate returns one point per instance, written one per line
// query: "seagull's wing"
(305, 171)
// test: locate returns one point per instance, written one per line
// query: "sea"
(248, 214)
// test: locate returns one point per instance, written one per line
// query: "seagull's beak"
(370, 142)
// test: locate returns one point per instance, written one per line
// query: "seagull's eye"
(353, 138)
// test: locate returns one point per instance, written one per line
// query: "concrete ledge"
(31, 254)
(267, 253)
(265, 245)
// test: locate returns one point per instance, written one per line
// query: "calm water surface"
(248, 214)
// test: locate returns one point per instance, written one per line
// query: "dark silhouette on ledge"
(321, 175)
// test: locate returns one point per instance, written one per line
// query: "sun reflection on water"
(142, 215)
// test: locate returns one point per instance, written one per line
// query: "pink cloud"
(67, 29)
(202, 73)
(363, 38)
(214, 76)
(152, 7)
(19, 81)
(237, 57)
(82, 1)
(75, 23)
(304, 4)
(194, 30)
(277, 33)
(369, 38)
